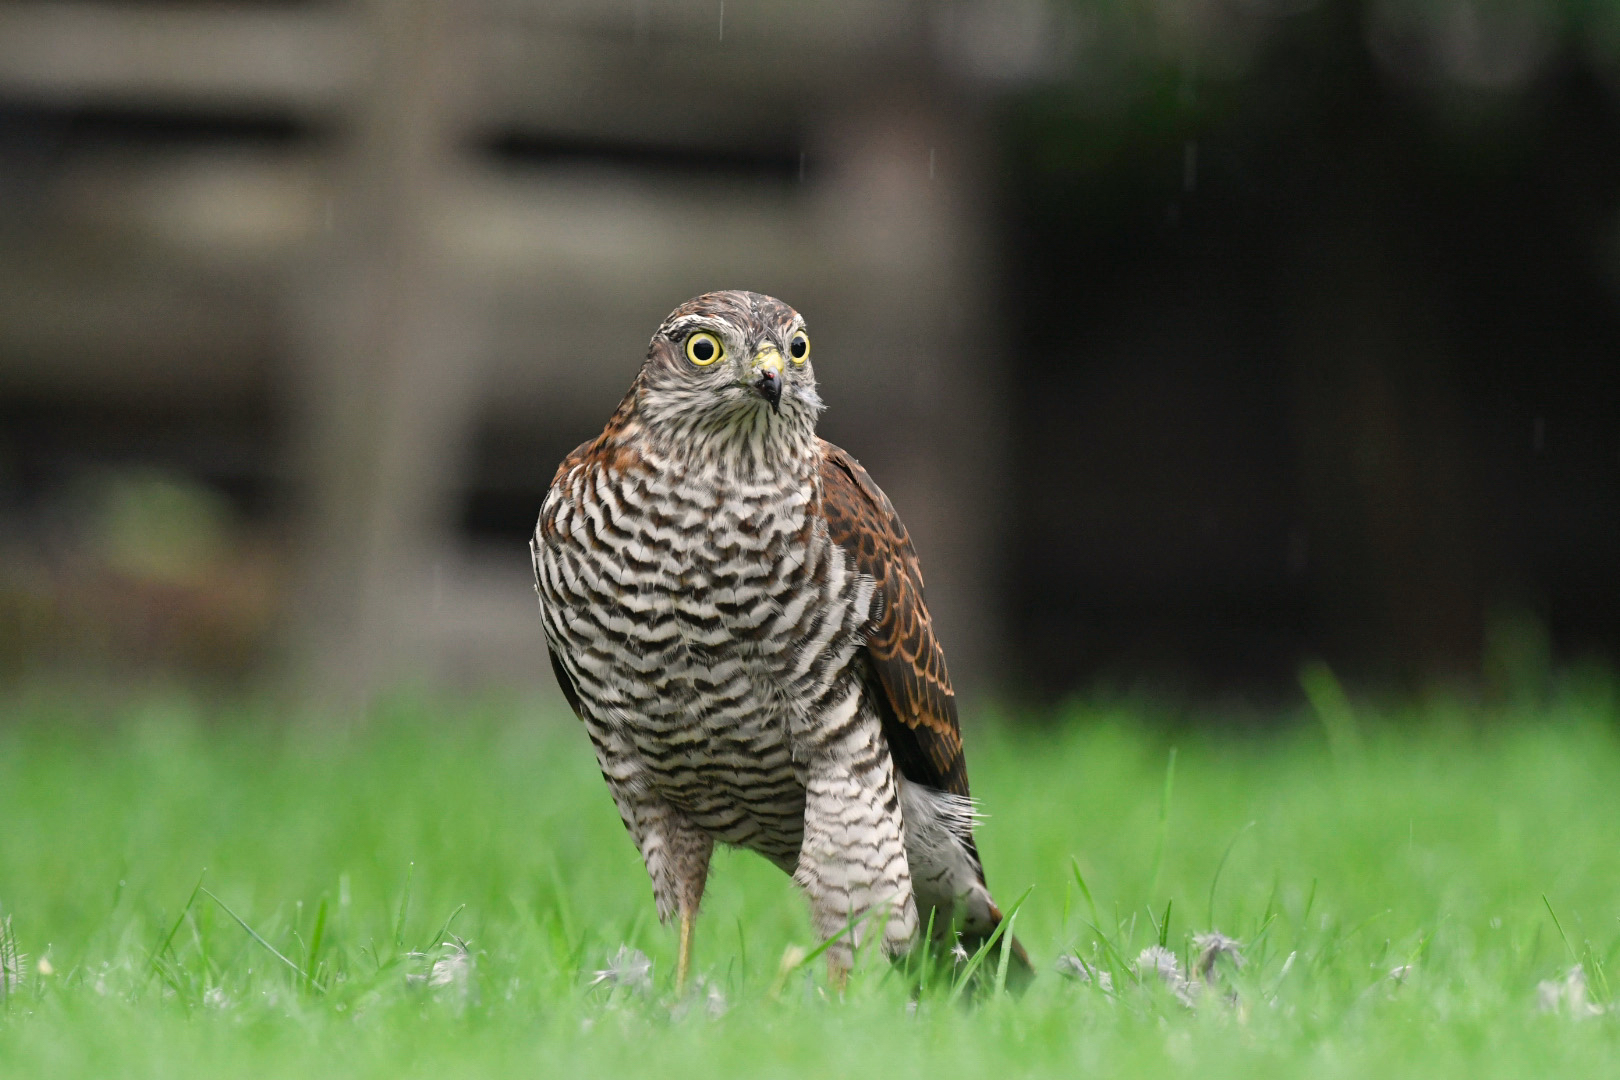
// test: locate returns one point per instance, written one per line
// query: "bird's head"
(729, 365)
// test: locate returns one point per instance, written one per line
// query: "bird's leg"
(691, 870)
(837, 971)
(683, 962)
(675, 850)
(852, 865)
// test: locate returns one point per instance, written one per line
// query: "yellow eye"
(703, 348)
(799, 347)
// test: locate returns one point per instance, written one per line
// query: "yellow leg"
(837, 973)
(683, 963)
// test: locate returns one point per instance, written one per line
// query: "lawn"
(211, 889)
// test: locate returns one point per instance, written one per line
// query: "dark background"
(1227, 336)
(1323, 360)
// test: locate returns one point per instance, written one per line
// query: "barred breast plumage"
(734, 612)
(702, 610)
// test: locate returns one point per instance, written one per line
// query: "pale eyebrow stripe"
(698, 320)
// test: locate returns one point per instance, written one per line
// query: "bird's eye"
(799, 347)
(703, 348)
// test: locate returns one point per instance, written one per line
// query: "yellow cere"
(768, 357)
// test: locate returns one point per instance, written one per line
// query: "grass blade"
(1332, 707)
(1572, 954)
(315, 940)
(404, 908)
(151, 961)
(1164, 822)
(1216, 880)
(1080, 880)
(10, 971)
(919, 962)
(1310, 902)
(1112, 949)
(984, 950)
(1597, 976)
(445, 928)
(825, 945)
(256, 936)
(1006, 951)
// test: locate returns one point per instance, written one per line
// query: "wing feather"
(919, 706)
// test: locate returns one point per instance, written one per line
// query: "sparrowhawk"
(736, 613)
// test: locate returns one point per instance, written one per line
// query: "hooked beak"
(766, 377)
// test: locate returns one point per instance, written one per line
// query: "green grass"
(1442, 838)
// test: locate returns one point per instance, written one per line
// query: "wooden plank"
(569, 73)
(196, 57)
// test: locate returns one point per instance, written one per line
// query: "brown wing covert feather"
(919, 706)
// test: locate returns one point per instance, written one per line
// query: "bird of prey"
(736, 613)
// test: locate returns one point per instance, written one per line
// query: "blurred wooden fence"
(406, 229)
